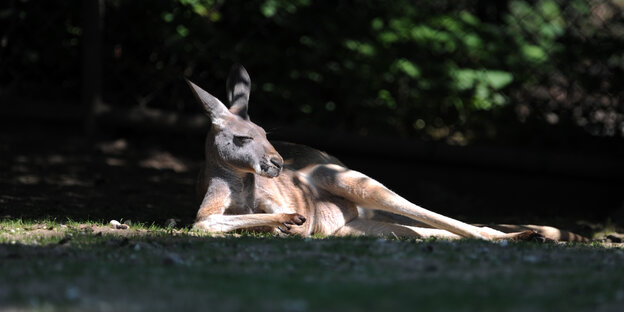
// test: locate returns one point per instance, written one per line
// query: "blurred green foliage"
(452, 70)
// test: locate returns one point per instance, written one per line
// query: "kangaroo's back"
(297, 156)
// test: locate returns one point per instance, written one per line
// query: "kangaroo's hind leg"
(360, 226)
(367, 192)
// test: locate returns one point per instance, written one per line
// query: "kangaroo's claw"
(530, 236)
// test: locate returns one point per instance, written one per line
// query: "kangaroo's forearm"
(227, 223)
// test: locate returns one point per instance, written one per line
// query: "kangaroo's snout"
(277, 162)
(272, 168)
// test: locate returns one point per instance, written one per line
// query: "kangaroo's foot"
(529, 236)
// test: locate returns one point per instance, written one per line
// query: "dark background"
(490, 111)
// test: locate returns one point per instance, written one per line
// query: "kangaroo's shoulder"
(297, 156)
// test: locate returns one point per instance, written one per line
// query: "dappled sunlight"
(115, 147)
(162, 161)
(110, 179)
(115, 162)
(28, 179)
(53, 169)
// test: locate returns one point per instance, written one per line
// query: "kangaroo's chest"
(241, 202)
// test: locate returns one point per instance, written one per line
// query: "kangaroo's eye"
(241, 139)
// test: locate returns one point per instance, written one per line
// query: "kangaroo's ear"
(212, 106)
(238, 87)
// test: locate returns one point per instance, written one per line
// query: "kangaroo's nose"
(277, 162)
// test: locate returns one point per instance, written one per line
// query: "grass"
(48, 266)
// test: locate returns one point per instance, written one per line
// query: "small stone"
(118, 226)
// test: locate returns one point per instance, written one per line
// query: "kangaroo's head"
(237, 142)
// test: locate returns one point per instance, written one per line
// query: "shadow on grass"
(96, 268)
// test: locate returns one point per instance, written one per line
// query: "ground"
(60, 189)
(76, 267)
(63, 175)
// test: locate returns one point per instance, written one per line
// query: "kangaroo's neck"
(239, 186)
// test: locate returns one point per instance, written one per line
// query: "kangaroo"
(246, 183)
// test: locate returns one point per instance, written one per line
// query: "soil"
(58, 173)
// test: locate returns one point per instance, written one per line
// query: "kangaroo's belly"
(291, 192)
(330, 213)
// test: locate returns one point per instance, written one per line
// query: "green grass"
(155, 268)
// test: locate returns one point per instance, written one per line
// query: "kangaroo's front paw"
(288, 219)
(292, 218)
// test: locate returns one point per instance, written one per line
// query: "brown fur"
(247, 182)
